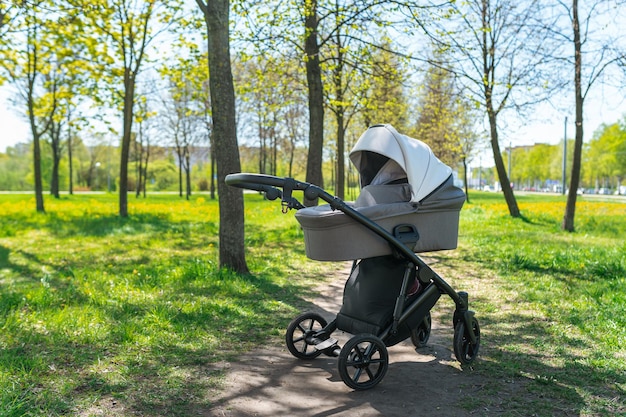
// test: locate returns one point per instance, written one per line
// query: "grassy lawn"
(551, 305)
(97, 310)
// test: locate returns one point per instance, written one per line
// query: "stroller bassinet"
(403, 183)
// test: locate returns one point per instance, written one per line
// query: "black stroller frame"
(363, 360)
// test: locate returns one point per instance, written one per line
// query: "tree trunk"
(231, 233)
(505, 183)
(69, 155)
(37, 169)
(56, 159)
(54, 182)
(36, 152)
(138, 164)
(187, 175)
(212, 170)
(274, 149)
(33, 126)
(129, 95)
(316, 99)
(467, 198)
(145, 167)
(341, 164)
(570, 207)
(179, 154)
(341, 129)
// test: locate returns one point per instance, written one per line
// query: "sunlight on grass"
(94, 305)
(95, 308)
(557, 318)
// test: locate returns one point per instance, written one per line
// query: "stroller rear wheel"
(421, 334)
(363, 362)
(464, 350)
(301, 336)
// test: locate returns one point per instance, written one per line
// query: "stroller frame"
(363, 360)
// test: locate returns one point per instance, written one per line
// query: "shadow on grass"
(94, 224)
(526, 369)
(151, 353)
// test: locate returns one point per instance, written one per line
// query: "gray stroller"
(408, 203)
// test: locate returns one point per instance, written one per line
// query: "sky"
(13, 130)
(547, 126)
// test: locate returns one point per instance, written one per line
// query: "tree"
(272, 107)
(593, 55)
(606, 154)
(25, 66)
(142, 144)
(183, 118)
(68, 68)
(188, 107)
(14, 168)
(261, 84)
(127, 27)
(4, 18)
(335, 40)
(495, 47)
(440, 111)
(354, 65)
(384, 91)
(231, 234)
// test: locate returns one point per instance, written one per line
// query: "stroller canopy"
(382, 155)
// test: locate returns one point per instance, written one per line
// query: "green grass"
(134, 316)
(96, 307)
(551, 304)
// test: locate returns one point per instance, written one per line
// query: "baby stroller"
(408, 203)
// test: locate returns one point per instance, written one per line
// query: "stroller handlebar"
(254, 181)
(257, 182)
(270, 185)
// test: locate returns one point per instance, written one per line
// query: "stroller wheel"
(301, 335)
(421, 334)
(464, 350)
(363, 362)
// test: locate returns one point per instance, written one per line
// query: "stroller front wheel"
(363, 362)
(464, 350)
(301, 335)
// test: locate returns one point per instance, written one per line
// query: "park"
(134, 281)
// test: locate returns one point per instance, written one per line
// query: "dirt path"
(271, 382)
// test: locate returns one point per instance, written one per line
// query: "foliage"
(606, 155)
(15, 168)
(81, 68)
(446, 121)
(273, 97)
